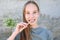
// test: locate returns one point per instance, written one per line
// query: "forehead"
(31, 7)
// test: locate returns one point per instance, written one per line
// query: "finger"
(21, 25)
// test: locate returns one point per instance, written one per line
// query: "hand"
(20, 27)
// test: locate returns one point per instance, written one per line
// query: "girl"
(29, 29)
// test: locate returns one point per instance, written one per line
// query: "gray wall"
(49, 9)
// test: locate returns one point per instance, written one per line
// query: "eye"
(27, 13)
(34, 12)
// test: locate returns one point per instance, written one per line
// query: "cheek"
(26, 16)
(37, 15)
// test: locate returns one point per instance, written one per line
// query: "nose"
(31, 15)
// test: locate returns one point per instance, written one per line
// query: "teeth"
(32, 20)
(29, 20)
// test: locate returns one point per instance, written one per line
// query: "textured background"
(49, 17)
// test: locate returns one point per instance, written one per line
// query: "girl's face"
(31, 13)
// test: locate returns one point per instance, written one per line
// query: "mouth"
(31, 20)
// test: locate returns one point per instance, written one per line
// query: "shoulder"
(47, 33)
(46, 30)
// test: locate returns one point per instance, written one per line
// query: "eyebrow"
(28, 11)
(35, 10)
